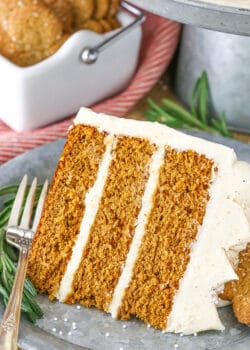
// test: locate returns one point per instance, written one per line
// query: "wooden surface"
(160, 91)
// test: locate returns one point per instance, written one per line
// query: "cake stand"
(231, 16)
(216, 37)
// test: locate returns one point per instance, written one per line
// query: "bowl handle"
(90, 54)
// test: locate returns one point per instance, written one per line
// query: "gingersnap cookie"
(101, 8)
(105, 25)
(114, 23)
(29, 58)
(28, 31)
(113, 7)
(82, 11)
(93, 25)
(238, 291)
(63, 10)
(33, 26)
(7, 47)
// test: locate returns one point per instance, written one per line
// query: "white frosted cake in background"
(139, 220)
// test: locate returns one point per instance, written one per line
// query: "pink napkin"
(160, 38)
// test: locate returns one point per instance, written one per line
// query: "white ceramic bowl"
(34, 96)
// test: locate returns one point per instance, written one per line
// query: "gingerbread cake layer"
(64, 208)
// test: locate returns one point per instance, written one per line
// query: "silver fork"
(20, 236)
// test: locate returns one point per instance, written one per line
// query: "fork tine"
(40, 204)
(17, 206)
(27, 212)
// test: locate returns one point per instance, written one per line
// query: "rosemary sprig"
(8, 259)
(176, 116)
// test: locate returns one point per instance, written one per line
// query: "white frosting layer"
(225, 224)
(147, 201)
(92, 200)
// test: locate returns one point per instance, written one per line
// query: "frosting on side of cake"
(209, 267)
(240, 185)
(92, 200)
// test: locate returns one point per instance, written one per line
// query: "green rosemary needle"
(176, 116)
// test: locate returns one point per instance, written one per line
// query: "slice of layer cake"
(138, 221)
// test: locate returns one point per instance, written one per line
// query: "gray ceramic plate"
(95, 329)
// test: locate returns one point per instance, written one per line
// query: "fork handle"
(10, 323)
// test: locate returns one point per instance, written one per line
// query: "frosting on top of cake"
(158, 134)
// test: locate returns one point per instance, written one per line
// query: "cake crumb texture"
(113, 229)
(64, 208)
(179, 206)
(239, 291)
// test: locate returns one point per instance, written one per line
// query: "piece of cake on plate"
(139, 220)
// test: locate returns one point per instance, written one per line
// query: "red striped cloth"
(160, 38)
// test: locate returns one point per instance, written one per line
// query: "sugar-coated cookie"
(33, 26)
(101, 8)
(82, 11)
(114, 23)
(107, 27)
(29, 58)
(93, 25)
(113, 7)
(7, 47)
(239, 291)
(32, 30)
(63, 10)
(29, 29)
